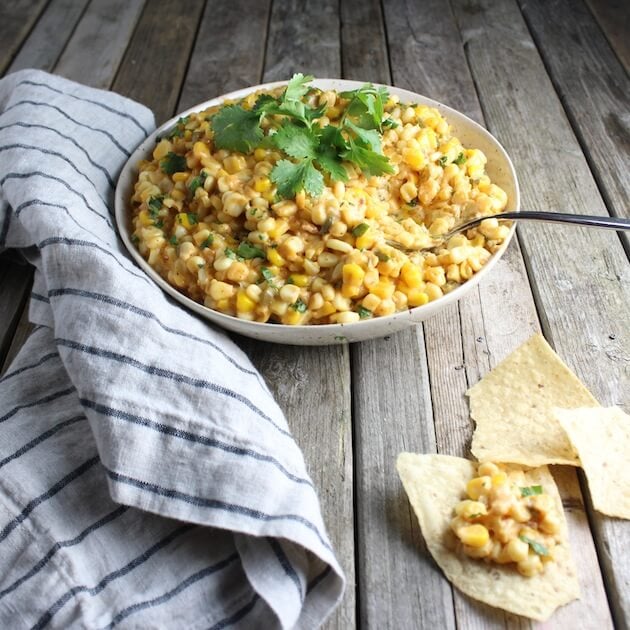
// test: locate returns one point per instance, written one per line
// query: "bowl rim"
(338, 332)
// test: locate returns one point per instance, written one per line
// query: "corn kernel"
(180, 177)
(201, 150)
(417, 297)
(478, 486)
(412, 275)
(414, 157)
(298, 279)
(274, 258)
(244, 304)
(184, 220)
(498, 479)
(262, 184)
(353, 274)
(260, 154)
(324, 311)
(384, 289)
(292, 317)
(474, 535)
(469, 509)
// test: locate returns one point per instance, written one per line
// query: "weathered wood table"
(549, 79)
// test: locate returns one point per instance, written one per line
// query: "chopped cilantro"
(364, 313)
(531, 490)
(173, 163)
(230, 253)
(537, 547)
(326, 226)
(266, 273)
(360, 229)
(299, 306)
(159, 223)
(135, 239)
(207, 242)
(390, 122)
(247, 250)
(413, 203)
(196, 182)
(173, 240)
(443, 160)
(155, 205)
(178, 130)
(381, 256)
(459, 160)
(192, 218)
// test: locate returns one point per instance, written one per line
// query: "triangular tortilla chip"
(434, 485)
(512, 407)
(601, 438)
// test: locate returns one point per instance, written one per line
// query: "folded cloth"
(147, 477)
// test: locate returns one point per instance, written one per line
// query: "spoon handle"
(612, 223)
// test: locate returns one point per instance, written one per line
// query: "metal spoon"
(611, 223)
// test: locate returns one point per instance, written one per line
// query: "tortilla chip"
(512, 407)
(601, 438)
(434, 485)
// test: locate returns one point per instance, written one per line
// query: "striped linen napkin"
(147, 477)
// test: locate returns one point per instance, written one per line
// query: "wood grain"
(614, 19)
(363, 42)
(229, 50)
(16, 20)
(303, 37)
(48, 38)
(156, 58)
(580, 279)
(97, 45)
(594, 89)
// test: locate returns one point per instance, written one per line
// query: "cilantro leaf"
(360, 229)
(291, 178)
(537, 547)
(443, 160)
(531, 491)
(370, 162)
(247, 250)
(364, 313)
(368, 138)
(173, 163)
(297, 87)
(298, 142)
(267, 274)
(329, 161)
(236, 129)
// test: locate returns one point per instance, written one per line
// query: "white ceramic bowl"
(499, 168)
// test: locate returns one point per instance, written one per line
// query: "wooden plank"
(614, 19)
(156, 59)
(594, 94)
(15, 285)
(363, 43)
(312, 386)
(229, 51)
(16, 20)
(399, 584)
(97, 45)
(583, 298)
(45, 43)
(303, 37)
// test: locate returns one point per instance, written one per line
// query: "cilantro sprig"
(314, 151)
